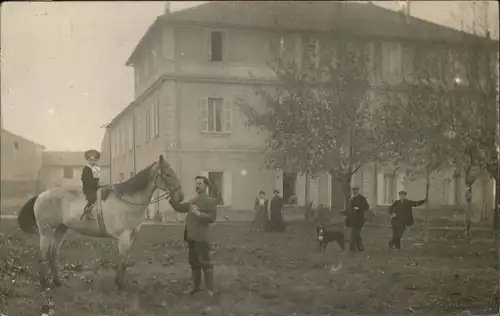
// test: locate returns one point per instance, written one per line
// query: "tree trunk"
(426, 216)
(307, 188)
(496, 223)
(470, 176)
(346, 189)
(468, 208)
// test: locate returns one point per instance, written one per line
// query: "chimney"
(168, 9)
(405, 9)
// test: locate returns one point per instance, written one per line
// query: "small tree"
(318, 117)
(419, 133)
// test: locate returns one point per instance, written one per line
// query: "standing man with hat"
(356, 218)
(201, 212)
(401, 212)
(90, 180)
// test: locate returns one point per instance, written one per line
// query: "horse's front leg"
(125, 242)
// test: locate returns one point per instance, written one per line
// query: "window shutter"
(224, 48)
(157, 118)
(152, 119)
(204, 115)
(380, 188)
(228, 115)
(227, 188)
(208, 39)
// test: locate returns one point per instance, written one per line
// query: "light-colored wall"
(241, 189)
(191, 137)
(53, 176)
(23, 163)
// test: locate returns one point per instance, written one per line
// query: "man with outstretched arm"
(401, 212)
(201, 212)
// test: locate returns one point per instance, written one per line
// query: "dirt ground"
(256, 274)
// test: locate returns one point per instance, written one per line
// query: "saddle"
(105, 191)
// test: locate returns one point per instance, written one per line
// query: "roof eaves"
(146, 35)
(159, 19)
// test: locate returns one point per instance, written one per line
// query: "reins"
(165, 196)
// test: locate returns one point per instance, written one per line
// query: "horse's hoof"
(120, 285)
(57, 283)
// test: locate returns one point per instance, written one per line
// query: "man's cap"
(402, 192)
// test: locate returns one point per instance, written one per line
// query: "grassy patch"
(270, 274)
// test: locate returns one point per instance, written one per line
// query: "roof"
(64, 158)
(353, 18)
(4, 131)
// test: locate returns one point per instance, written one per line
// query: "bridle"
(164, 196)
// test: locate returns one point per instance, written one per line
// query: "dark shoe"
(196, 276)
(209, 280)
(361, 247)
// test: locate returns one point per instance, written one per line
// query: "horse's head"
(166, 180)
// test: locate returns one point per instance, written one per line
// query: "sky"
(63, 63)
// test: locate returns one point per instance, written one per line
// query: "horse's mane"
(136, 183)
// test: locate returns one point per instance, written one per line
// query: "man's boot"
(361, 247)
(209, 280)
(195, 287)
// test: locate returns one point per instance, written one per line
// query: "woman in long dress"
(277, 221)
(261, 207)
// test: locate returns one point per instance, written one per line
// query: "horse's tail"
(26, 217)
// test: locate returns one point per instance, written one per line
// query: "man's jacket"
(198, 226)
(404, 210)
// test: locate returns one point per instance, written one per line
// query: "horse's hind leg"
(57, 241)
(43, 271)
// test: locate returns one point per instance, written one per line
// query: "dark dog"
(325, 236)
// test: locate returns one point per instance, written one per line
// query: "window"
(147, 126)
(391, 59)
(68, 173)
(156, 120)
(16, 145)
(216, 181)
(216, 115)
(216, 46)
(390, 188)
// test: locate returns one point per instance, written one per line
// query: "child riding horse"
(90, 180)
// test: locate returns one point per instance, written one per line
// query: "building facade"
(65, 169)
(21, 162)
(191, 66)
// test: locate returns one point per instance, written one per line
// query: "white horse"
(119, 212)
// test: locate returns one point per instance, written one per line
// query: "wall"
(23, 163)
(191, 95)
(53, 176)
(243, 188)
(20, 171)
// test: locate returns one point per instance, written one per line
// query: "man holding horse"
(201, 212)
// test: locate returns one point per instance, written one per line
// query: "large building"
(191, 65)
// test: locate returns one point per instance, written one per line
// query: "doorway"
(215, 190)
(289, 185)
